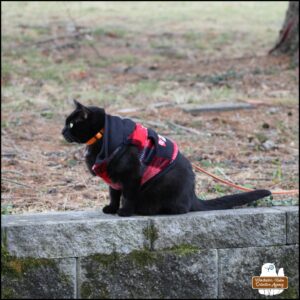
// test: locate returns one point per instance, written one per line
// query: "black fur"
(171, 193)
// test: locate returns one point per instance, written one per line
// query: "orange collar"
(95, 138)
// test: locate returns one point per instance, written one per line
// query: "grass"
(208, 40)
(221, 77)
(145, 13)
(220, 189)
(126, 59)
(277, 173)
(47, 114)
(201, 25)
(144, 87)
(194, 26)
(178, 38)
(99, 97)
(218, 94)
(209, 164)
(251, 16)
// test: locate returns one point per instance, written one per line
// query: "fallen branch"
(223, 174)
(160, 105)
(64, 46)
(129, 110)
(188, 129)
(96, 51)
(221, 133)
(61, 37)
(150, 123)
(192, 109)
(9, 155)
(26, 26)
(151, 106)
(11, 181)
(13, 172)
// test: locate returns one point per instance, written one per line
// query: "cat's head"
(83, 123)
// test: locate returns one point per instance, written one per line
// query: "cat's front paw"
(109, 209)
(124, 212)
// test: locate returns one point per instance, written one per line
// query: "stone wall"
(90, 255)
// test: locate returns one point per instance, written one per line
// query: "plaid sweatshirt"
(156, 153)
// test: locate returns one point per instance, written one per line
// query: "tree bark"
(288, 40)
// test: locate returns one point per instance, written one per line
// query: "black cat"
(144, 170)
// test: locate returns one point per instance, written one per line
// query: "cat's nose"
(63, 131)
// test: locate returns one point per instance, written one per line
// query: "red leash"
(280, 192)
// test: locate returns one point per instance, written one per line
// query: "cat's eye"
(71, 125)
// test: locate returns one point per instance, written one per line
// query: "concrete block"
(175, 274)
(237, 266)
(292, 223)
(32, 278)
(72, 234)
(222, 229)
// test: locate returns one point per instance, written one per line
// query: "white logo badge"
(271, 285)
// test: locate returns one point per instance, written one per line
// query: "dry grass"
(134, 55)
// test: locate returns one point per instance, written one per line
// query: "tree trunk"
(288, 41)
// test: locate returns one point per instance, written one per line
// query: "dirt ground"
(146, 76)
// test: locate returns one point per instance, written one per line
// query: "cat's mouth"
(68, 137)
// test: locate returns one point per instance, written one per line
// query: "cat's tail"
(230, 201)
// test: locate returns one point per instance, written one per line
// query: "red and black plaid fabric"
(156, 154)
(101, 171)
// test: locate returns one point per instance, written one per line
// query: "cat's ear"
(77, 104)
(85, 111)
